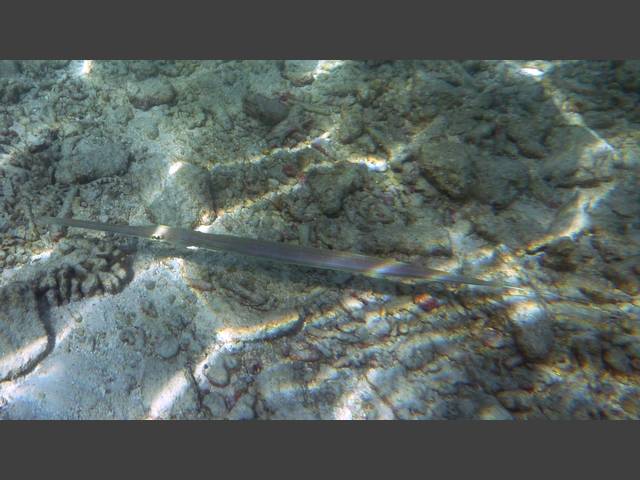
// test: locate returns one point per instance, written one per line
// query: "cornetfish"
(282, 252)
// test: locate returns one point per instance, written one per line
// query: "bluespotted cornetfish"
(282, 252)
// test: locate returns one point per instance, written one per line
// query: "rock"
(578, 158)
(599, 120)
(400, 393)
(168, 347)
(493, 411)
(9, 68)
(432, 96)
(633, 349)
(12, 92)
(628, 75)
(304, 353)
(533, 331)
(282, 391)
(515, 400)
(494, 339)
(168, 392)
(298, 121)
(386, 380)
(415, 353)
(616, 359)
(147, 127)
(378, 326)
(330, 187)
(216, 372)
(185, 197)
(560, 254)
(527, 139)
(269, 111)
(631, 404)
(230, 362)
(23, 338)
(215, 403)
(351, 126)
(623, 279)
(151, 93)
(243, 409)
(448, 166)
(587, 349)
(299, 72)
(498, 181)
(480, 132)
(143, 69)
(426, 235)
(90, 159)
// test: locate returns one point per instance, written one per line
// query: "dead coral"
(85, 270)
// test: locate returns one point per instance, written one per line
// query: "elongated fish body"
(280, 252)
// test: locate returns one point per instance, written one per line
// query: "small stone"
(378, 326)
(151, 93)
(493, 412)
(217, 373)
(532, 331)
(304, 353)
(167, 347)
(426, 302)
(494, 339)
(269, 111)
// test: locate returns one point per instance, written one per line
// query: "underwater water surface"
(328, 239)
